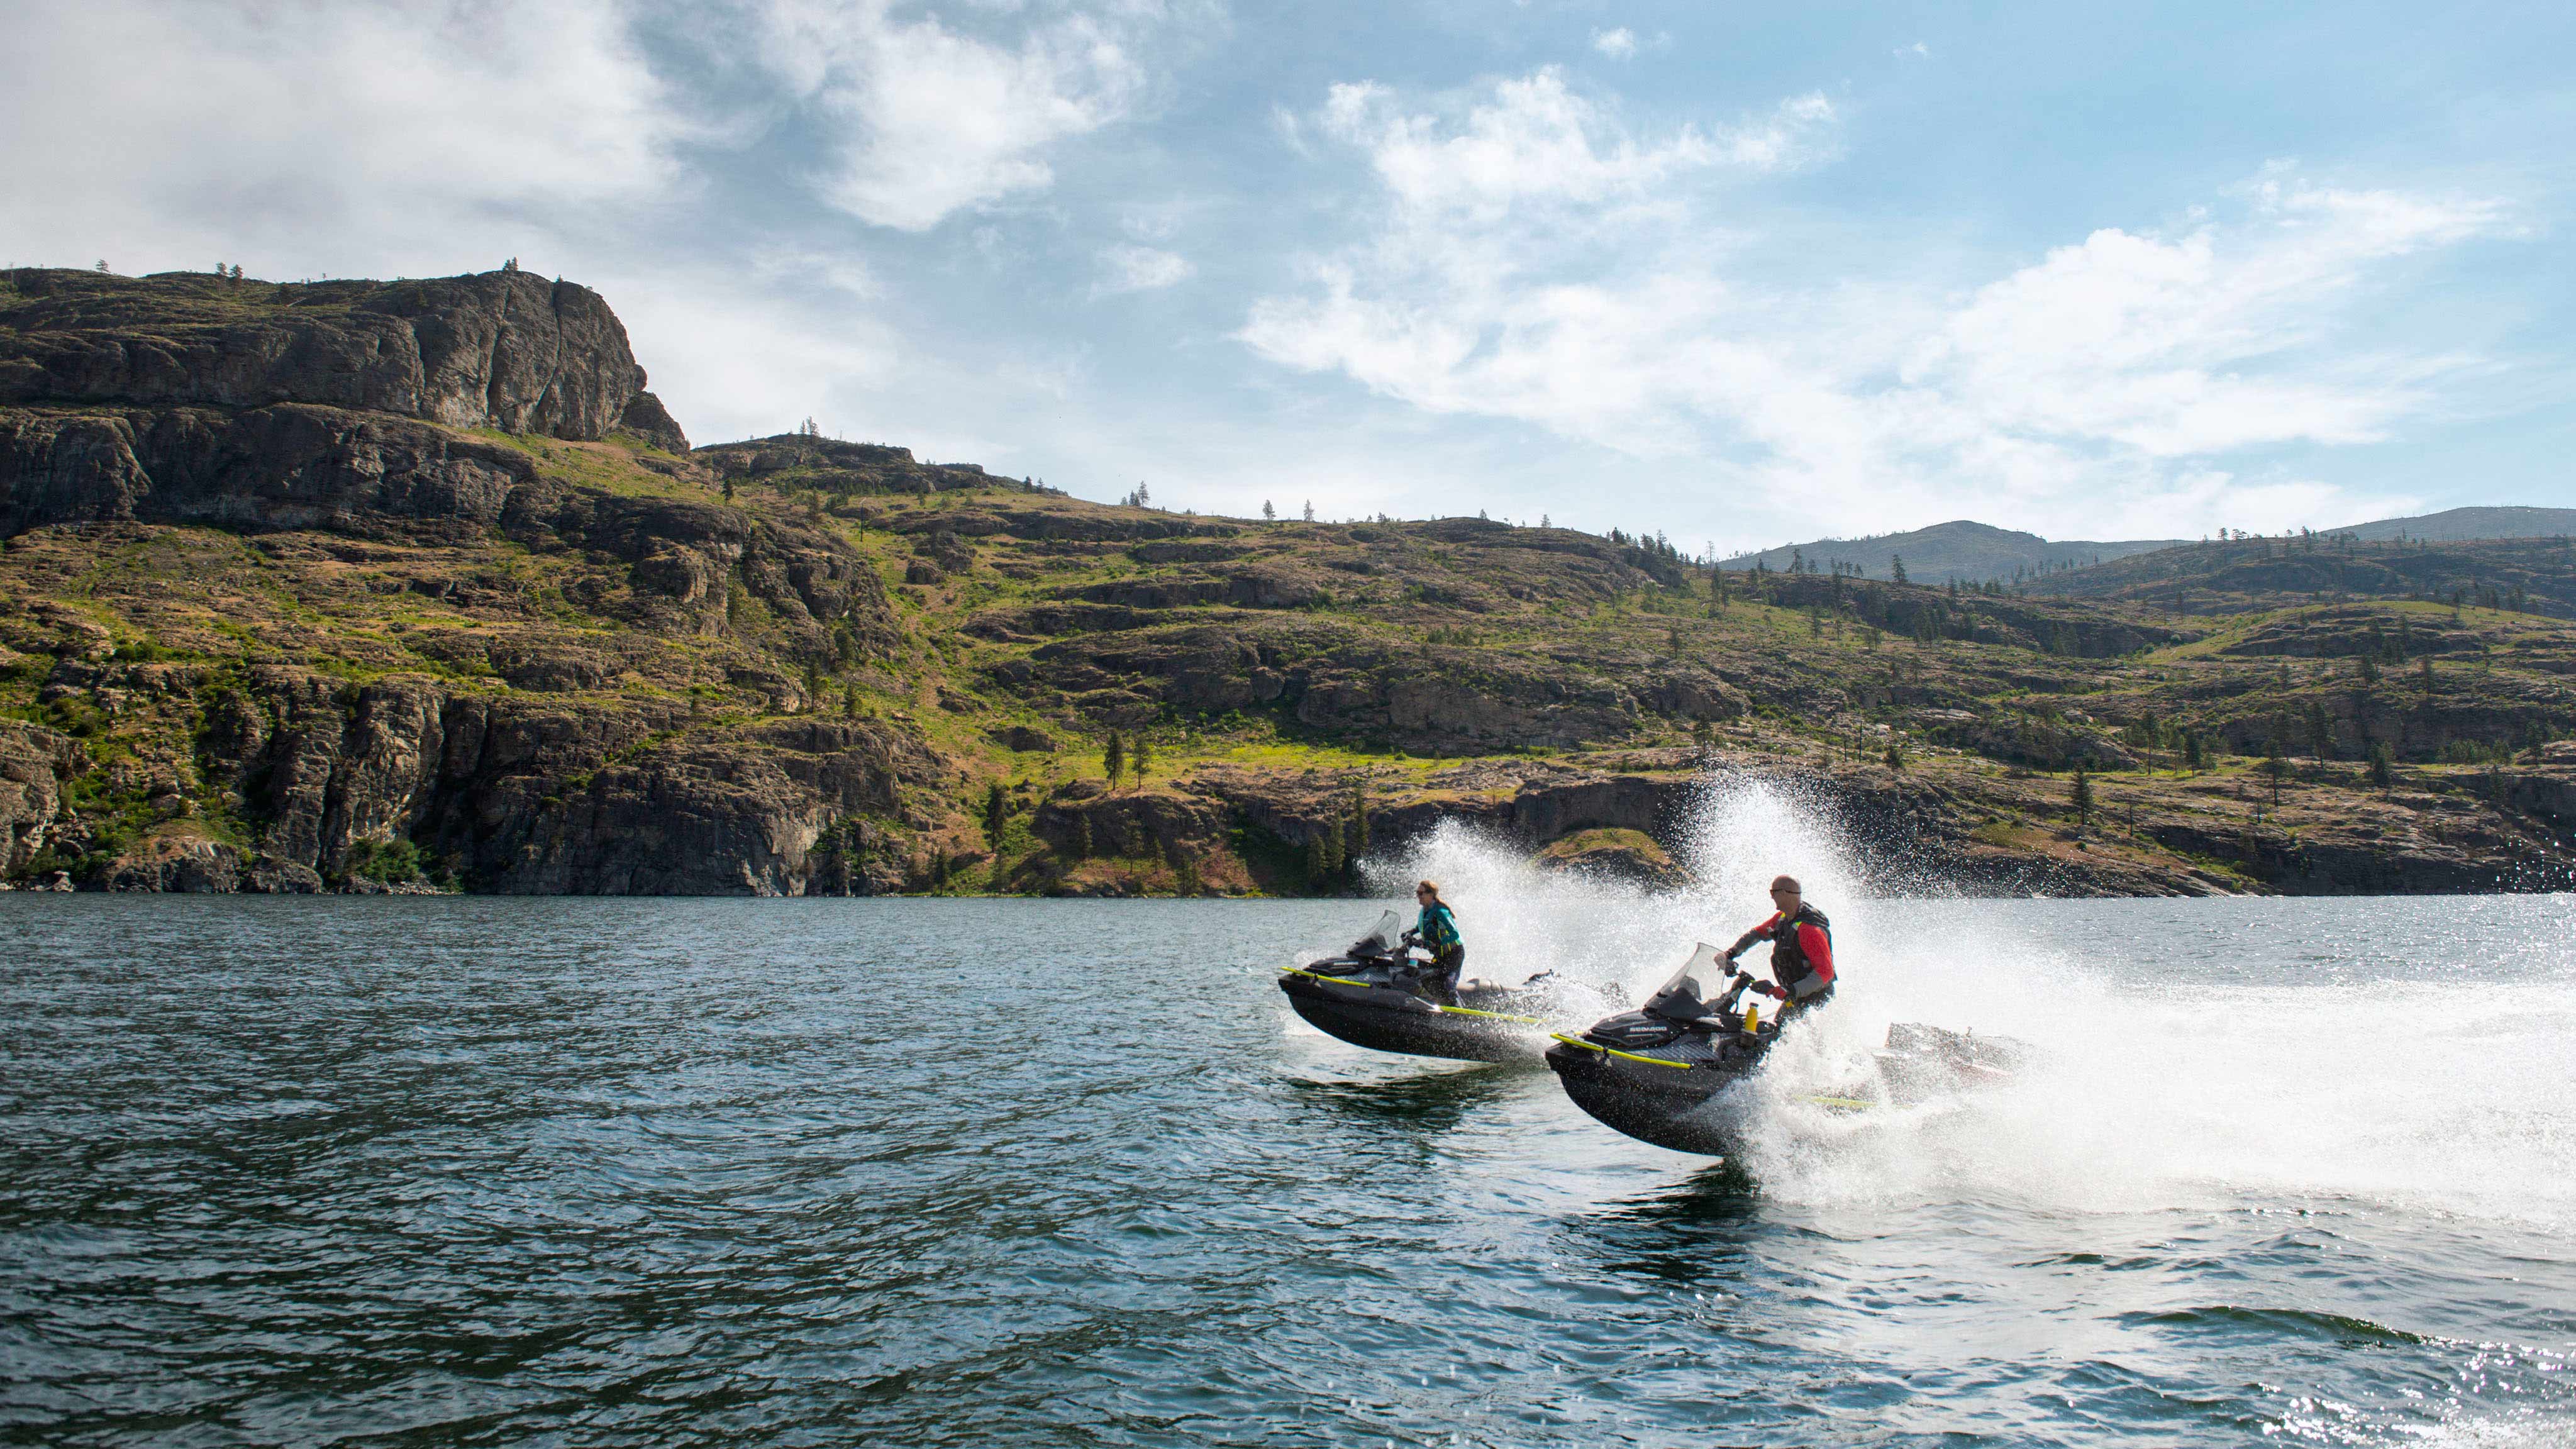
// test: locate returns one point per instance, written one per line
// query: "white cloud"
(933, 121)
(1534, 259)
(1617, 44)
(2163, 345)
(1535, 140)
(1140, 269)
(324, 135)
(1917, 49)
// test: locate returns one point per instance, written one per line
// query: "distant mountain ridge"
(1973, 552)
(2456, 524)
(1961, 549)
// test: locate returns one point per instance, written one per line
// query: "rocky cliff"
(412, 586)
(251, 404)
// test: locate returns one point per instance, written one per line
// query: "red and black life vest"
(1790, 965)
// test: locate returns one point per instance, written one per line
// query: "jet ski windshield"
(1685, 997)
(1382, 938)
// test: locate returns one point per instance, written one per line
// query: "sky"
(1738, 274)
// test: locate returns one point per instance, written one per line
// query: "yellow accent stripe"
(1331, 980)
(1495, 1015)
(1594, 1046)
(1843, 1101)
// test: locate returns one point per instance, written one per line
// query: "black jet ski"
(1384, 994)
(1648, 1072)
(1653, 1073)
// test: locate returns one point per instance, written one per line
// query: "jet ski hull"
(1654, 1098)
(1383, 1019)
(1650, 1098)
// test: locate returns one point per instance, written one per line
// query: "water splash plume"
(2171, 1076)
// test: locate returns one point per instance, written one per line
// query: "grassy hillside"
(410, 653)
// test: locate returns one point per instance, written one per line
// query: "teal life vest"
(1437, 928)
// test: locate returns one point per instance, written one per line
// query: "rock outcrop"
(524, 797)
(506, 349)
(245, 404)
(35, 763)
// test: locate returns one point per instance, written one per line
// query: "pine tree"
(1324, 858)
(2081, 795)
(2275, 768)
(1113, 757)
(997, 813)
(1543, 522)
(1310, 510)
(1268, 513)
(2192, 757)
(2380, 771)
(1896, 567)
(1140, 758)
(1079, 844)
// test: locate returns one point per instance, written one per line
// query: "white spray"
(2458, 1096)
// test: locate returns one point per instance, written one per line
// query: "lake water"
(917, 1173)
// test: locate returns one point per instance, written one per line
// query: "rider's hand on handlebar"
(1767, 989)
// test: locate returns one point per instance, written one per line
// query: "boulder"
(176, 863)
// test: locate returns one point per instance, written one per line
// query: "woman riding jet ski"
(1654, 1072)
(1380, 994)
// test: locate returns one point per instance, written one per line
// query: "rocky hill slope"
(2535, 576)
(411, 585)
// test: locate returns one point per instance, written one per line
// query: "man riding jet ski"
(1653, 1073)
(1802, 949)
(1388, 994)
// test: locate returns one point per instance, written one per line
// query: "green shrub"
(392, 862)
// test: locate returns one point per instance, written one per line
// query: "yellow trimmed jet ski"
(1655, 1073)
(1384, 994)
